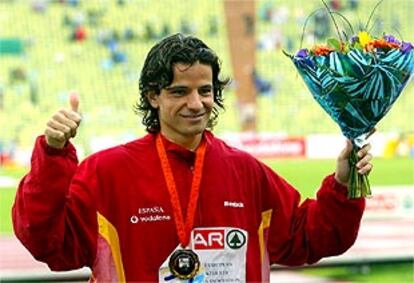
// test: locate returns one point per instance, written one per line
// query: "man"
(178, 204)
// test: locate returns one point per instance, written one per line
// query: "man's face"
(184, 107)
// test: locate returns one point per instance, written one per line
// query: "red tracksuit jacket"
(113, 213)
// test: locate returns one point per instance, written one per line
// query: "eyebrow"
(178, 87)
(175, 87)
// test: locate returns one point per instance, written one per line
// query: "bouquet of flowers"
(356, 81)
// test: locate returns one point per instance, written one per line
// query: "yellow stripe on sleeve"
(266, 217)
(109, 233)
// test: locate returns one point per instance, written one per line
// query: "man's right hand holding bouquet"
(343, 168)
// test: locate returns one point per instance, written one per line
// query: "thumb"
(74, 101)
(347, 150)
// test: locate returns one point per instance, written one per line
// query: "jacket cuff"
(41, 140)
(330, 181)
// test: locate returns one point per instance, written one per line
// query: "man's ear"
(153, 99)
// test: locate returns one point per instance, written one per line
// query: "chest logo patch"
(218, 239)
(209, 239)
(235, 239)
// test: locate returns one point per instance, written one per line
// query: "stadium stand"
(97, 47)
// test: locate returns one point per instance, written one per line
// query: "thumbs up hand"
(63, 124)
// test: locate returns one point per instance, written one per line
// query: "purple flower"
(391, 39)
(302, 53)
(406, 47)
(354, 39)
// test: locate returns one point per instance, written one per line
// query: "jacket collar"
(181, 151)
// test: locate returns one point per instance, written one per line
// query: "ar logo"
(235, 239)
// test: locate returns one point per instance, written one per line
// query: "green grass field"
(368, 273)
(306, 175)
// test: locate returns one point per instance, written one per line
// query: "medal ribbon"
(183, 228)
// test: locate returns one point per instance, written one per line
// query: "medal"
(184, 264)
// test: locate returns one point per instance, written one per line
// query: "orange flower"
(321, 50)
(381, 44)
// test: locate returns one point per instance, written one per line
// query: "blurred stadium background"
(51, 48)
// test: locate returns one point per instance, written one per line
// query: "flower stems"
(333, 20)
(358, 184)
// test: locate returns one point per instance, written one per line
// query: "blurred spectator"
(249, 25)
(94, 17)
(78, 19)
(405, 146)
(186, 27)
(281, 15)
(2, 154)
(7, 151)
(116, 36)
(73, 3)
(79, 34)
(322, 25)
(12, 148)
(104, 36)
(39, 6)
(213, 26)
(129, 34)
(290, 44)
(149, 32)
(165, 30)
(118, 56)
(1, 97)
(401, 145)
(353, 5)
(17, 74)
(263, 87)
(34, 92)
(271, 40)
(265, 12)
(66, 21)
(335, 5)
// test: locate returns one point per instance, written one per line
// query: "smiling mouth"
(193, 116)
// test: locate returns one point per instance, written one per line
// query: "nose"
(194, 101)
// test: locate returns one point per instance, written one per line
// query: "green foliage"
(334, 44)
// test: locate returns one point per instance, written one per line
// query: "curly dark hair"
(157, 73)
